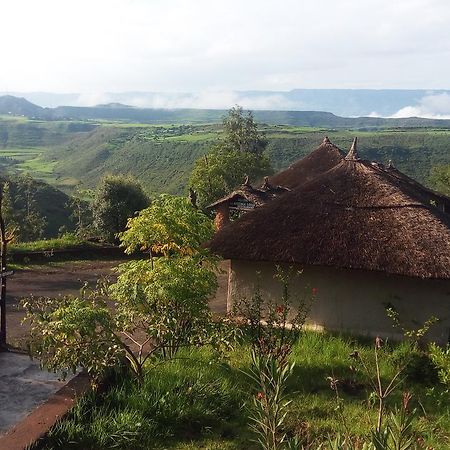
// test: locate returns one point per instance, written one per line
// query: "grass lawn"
(196, 403)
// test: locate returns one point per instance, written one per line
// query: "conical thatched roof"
(356, 215)
(326, 156)
(256, 196)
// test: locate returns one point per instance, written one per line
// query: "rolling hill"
(162, 157)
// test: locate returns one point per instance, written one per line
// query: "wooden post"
(3, 275)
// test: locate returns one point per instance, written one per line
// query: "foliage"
(441, 359)
(380, 390)
(218, 173)
(239, 153)
(440, 178)
(20, 210)
(186, 399)
(270, 405)
(414, 335)
(166, 301)
(117, 198)
(34, 208)
(69, 332)
(160, 305)
(398, 434)
(169, 225)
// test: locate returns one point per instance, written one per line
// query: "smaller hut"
(244, 198)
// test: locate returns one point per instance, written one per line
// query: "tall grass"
(195, 403)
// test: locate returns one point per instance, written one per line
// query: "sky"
(214, 47)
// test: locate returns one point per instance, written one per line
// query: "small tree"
(161, 304)
(81, 210)
(238, 153)
(117, 198)
(241, 133)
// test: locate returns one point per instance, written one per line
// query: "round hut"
(363, 236)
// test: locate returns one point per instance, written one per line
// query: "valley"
(66, 154)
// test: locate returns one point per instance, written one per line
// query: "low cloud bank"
(200, 100)
(433, 106)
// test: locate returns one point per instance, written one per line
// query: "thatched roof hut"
(244, 198)
(356, 215)
(248, 197)
(323, 158)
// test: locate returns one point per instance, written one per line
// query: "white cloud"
(433, 106)
(208, 99)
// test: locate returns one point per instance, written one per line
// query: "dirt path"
(63, 279)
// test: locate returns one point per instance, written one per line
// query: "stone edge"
(40, 420)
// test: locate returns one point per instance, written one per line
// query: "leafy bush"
(117, 198)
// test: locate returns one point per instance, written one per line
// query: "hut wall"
(351, 300)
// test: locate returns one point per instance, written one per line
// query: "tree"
(239, 153)
(160, 304)
(218, 173)
(241, 132)
(117, 198)
(440, 179)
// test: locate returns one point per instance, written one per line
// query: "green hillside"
(65, 153)
(162, 157)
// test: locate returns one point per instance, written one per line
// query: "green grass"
(66, 242)
(195, 403)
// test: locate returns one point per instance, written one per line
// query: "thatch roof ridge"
(354, 216)
(353, 155)
(323, 158)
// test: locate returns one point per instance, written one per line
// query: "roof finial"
(246, 183)
(390, 165)
(326, 140)
(353, 153)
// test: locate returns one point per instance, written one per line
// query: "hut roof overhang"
(356, 215)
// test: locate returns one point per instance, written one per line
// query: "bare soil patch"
(67, 278)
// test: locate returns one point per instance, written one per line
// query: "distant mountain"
(114, 105)
(126, 113)
(19, 106)
(342, 102)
